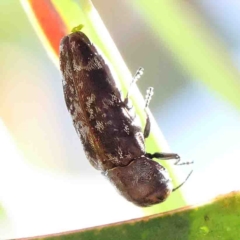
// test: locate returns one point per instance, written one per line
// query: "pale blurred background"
(46, 184)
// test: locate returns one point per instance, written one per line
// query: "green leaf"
(219, 220)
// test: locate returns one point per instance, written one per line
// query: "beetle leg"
(137, 75)
(147, 101)
(168, 156)
(147, 127)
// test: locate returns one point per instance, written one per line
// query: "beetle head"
(143, 182)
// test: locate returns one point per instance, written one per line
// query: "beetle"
(107, 125)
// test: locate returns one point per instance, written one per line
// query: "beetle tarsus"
(178, 163)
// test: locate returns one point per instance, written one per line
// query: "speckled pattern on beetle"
(110, 131)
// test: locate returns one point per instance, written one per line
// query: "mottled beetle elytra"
(112, 138)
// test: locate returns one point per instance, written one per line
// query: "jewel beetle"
(108, 127)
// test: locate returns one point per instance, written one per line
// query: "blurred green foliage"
(193, 45)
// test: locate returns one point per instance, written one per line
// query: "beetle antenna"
(135, 78)
(148, 97)
(182, 182)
